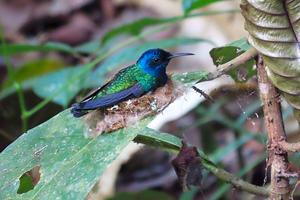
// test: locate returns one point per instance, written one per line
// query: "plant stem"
(22, 106)
(277, 160)
(17, 85)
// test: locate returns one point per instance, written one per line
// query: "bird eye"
(156, 60)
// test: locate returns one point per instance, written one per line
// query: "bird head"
(155, 61)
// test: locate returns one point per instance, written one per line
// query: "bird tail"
(82, 108)
(77, 110)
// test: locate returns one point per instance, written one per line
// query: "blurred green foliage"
(190, 5)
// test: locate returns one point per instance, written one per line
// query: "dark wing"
(94, 92)
(81, 108)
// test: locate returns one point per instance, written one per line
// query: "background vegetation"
(53, 52)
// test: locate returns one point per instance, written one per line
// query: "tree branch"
(277, 160)
(291, 147)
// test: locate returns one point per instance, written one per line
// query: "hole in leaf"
(29, 180)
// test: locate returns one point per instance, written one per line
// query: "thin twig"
(294, 189)
(7, 135)
(201, 92)
(278, 160)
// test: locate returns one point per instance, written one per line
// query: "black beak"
(179, 54)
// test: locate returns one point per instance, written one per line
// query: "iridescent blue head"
(155, 61)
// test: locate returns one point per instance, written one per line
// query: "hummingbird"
(147, 74)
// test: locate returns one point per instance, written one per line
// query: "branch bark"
(277, 160)
(291, 147)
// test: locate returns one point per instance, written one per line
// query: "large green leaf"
(189, 5)
(274, 28)
(70, 162)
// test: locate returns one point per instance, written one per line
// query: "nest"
(131, 111)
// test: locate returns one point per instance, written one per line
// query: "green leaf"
(26, 184)
(33, 69)
(162, 140)
(189, 5)
(61, 86)
(13, 49)
(70, 163)
(168, 141)
(242, 43)
(88, 47)
(224, 54)
(189, 78)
